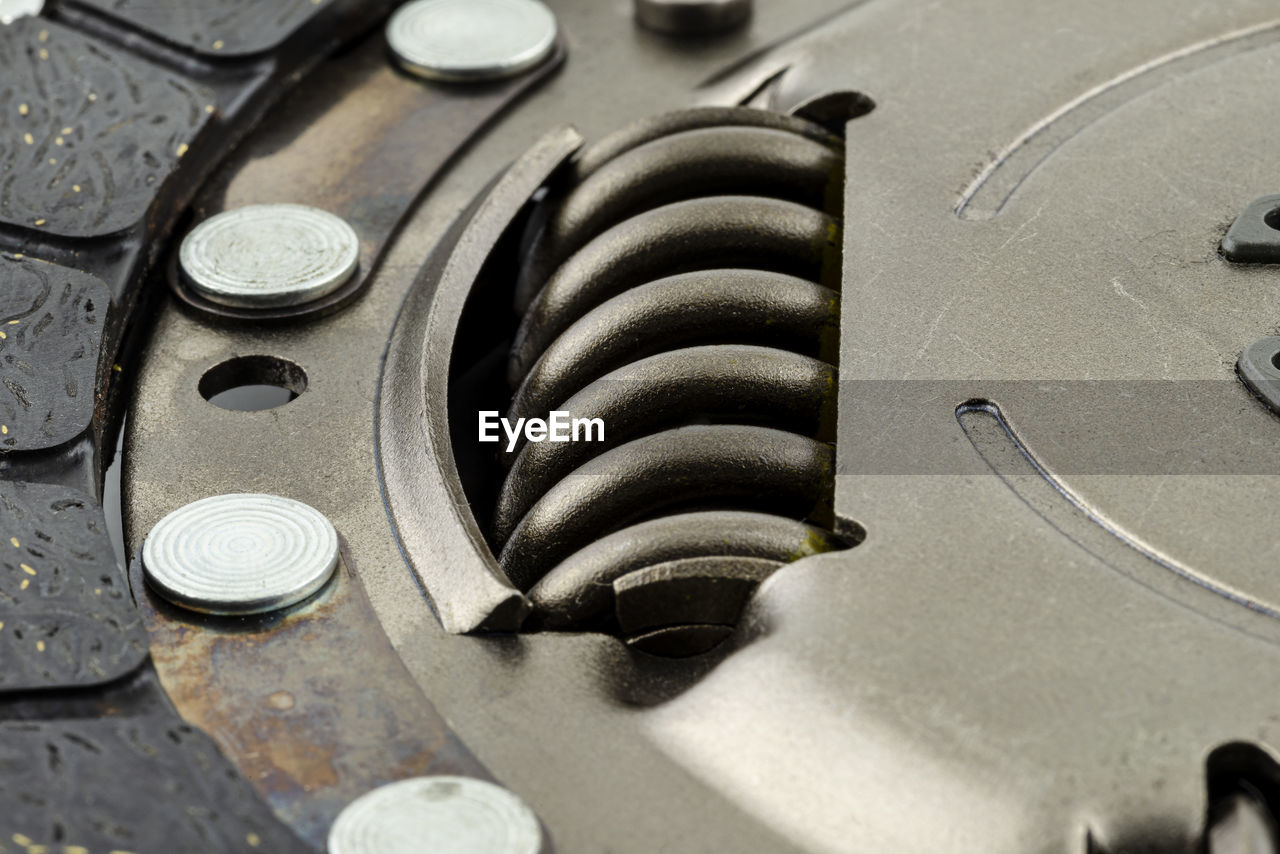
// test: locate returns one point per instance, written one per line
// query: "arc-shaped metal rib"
(704, 307)
(737, 384)
(701, 234)
(717, 466)
(579, 590)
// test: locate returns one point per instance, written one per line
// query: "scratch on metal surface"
(985, 196)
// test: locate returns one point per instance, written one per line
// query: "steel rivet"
(443, 815)
(692, 17)
(471, 40)
(240, 554)
(12, 10)
(268, 256)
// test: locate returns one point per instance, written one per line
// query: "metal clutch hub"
(516, 427)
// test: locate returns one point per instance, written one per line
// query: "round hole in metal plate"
(253, 383)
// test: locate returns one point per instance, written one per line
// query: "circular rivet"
(240, 554)
(464, 40)
(692, 17)
(12, 10)
(443, 815)
(267, 256)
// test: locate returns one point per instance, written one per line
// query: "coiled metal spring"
(681, 286)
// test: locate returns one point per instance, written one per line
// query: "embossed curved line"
(1003, 446)
(991, 190)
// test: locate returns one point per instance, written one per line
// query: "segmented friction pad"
(215, 27)
(88, 134)
(141, 785)
(66, 618)
(51, 321)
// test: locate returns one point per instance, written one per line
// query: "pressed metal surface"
(319, 449)
(991, 670)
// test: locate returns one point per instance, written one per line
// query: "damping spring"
(682, 286)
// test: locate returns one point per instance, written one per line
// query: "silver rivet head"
(268, 256)
(240, 554)
(471, 39)
(443, 815)
(12, 10)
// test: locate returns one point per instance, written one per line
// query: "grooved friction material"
(51, 321)
(139, 785)
(65, 614)
(214, 27)
(88, 134)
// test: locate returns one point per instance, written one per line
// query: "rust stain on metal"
(313, 706)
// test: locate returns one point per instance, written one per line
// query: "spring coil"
(681, 286)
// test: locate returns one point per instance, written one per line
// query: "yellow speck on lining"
(116, 368)
(4, 428)
(253, 840)
(75, 849)
(208, 108)
(97, 591)
(182, 149)
(28, 570)
(40, 222)
(44, 54)
(1, 624)
(53, 161)
(23, 109)
(58, 141)
(24, 841)
(26, 582)
(17, 256)
(75, 187)
(66, 131)
(28, 139)
(2, 335)
(39, 646)
(44, 35)
(15, 322)
(118, 851)
(93, 96)
(14, 542)
(218, 45)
